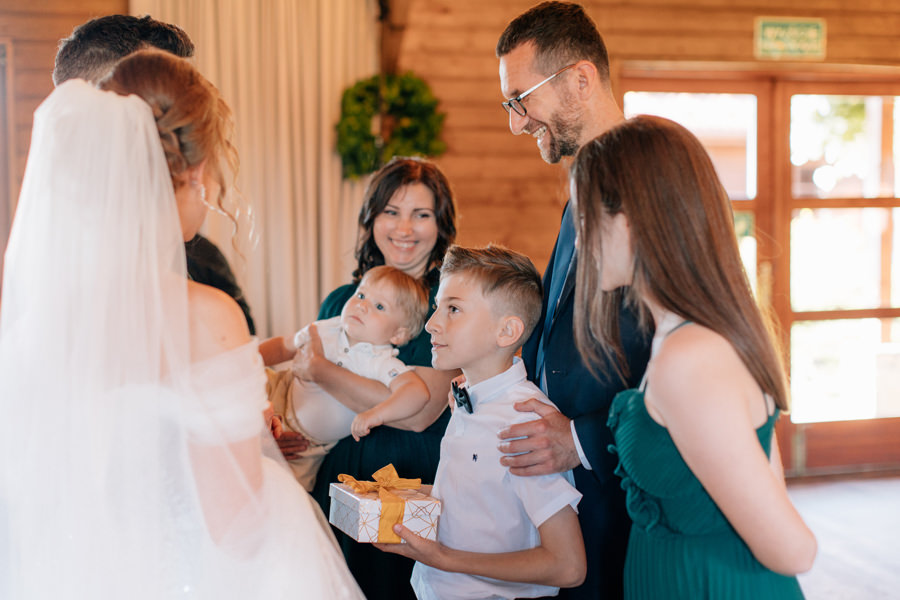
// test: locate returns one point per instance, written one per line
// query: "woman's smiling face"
(406, 230)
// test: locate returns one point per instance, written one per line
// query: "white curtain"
(282, 66)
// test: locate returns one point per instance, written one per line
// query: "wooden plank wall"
(34, 30)
(506, 193)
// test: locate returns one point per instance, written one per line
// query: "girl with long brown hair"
(697, 455)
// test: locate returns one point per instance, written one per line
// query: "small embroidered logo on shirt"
(474, 458)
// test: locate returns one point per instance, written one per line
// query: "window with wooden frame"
(810, 159)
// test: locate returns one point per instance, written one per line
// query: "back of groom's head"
(97, 45)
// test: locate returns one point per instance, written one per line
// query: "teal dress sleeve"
(382, 575)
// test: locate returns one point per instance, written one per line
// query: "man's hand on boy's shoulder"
(545, 445)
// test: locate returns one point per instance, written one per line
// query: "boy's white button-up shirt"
(485, 508)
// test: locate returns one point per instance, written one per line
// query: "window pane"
(724, 123)
(846, 369)
(843, 146)
(846, 258)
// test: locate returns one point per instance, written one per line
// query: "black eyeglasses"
(516, 103)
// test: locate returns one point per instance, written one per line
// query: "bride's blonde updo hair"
(194, 122)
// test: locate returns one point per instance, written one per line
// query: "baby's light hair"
(410, 296)
(508, 278)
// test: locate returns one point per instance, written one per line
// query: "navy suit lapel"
(568, 287)
(554, 284)
(563, 274)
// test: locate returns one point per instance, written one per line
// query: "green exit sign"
(781, 38)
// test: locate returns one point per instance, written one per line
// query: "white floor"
(857, 526)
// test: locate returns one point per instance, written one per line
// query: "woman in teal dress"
(697, 456)
(407, 221)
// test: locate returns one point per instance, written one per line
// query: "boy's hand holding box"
(368, 510)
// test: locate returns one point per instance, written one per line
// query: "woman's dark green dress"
(380, 574)
(681, 545)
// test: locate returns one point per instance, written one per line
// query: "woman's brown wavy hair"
(400, 171)
(194, 122)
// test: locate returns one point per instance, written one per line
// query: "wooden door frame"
(772, 208)
(839, 446)
(757, 84)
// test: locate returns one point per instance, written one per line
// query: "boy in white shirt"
(387, 310)
(499, 535)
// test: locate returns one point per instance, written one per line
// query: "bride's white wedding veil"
(101, 421)
(93, 321)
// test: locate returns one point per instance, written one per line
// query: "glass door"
(725, 116)
(838, 292)
(811, 169)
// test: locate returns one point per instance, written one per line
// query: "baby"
(387, 310)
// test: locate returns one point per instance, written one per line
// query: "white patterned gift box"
(358, 515)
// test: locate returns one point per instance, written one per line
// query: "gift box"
(367, 511)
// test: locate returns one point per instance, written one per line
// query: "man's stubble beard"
(565, 128)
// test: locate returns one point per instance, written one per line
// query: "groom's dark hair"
(96, 46)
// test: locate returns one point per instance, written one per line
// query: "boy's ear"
(511, 329)
(400, 337)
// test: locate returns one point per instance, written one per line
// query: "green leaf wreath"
(385, 116)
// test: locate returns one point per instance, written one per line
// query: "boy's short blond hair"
(508, 279)
(410, 296)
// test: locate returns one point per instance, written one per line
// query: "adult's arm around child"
(276, 350)
(360, 393)
(409, 395)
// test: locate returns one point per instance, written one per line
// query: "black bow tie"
(461, 395)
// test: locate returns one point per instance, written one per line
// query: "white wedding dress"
(126, 471)
(301, 558)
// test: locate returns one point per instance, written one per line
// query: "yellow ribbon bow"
(392, 505)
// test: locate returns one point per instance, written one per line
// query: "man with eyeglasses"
(554, 72)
